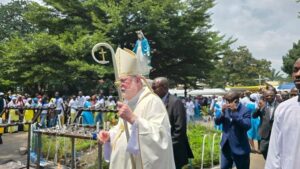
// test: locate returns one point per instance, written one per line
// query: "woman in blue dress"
(253, 131)
(218, 111)
(197, 109)
(87, 116)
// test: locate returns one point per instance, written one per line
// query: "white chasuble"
(152, 135)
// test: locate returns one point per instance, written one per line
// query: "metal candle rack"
(68, 135)
(73, 134)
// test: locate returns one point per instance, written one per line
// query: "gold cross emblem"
(102, 53)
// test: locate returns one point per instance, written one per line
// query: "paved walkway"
(10, 148)
(10, 156)
(257, 161)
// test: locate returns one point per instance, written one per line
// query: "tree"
(239, 68)
(42, 62)
(183, 47)
(276, 75)
(58, 56)
(290, 58)
(12, 20)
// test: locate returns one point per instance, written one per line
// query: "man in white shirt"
(59, 110)
(284, 148)
(73, 106)
(190, 112)
(80, 100)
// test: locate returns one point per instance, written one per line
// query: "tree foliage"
(183, 47)
(12, 20)
(276, 75)
(57, 56)
(290, 58)
(239, 68)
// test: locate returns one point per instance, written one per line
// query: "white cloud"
(267, 27)
(4, 1)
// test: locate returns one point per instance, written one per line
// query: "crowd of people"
(269, 117)
(54, 111)
(264, 101)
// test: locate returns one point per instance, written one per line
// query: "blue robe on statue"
(87, 116)
(142, 51)
(145, 47)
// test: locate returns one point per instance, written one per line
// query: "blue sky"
(267, 27)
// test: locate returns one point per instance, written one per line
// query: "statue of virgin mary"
(142, 51)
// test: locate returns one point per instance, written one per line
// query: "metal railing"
(212, 149)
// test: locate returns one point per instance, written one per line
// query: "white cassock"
(150, 139)
(284, 147)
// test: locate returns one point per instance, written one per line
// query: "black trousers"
(264, 147)
(227, 159)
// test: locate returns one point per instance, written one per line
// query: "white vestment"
(284, 147)
(150, 141)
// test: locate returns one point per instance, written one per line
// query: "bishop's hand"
(126, 113)
(103, 136)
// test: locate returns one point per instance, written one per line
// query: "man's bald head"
(162, 80)
(160, 86)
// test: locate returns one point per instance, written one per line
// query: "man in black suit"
(177, 117)
(266, 110)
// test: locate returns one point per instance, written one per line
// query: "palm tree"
(276, 75)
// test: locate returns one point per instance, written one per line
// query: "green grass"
(195, 134)
(64, 146)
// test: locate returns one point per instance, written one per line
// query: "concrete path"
(10, 149)
(257, 161)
